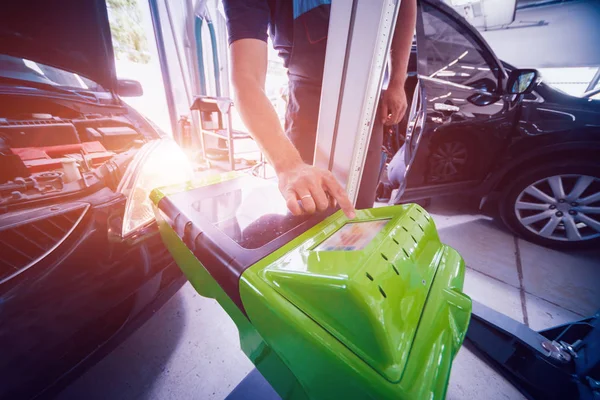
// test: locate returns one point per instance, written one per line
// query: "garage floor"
(190, 349)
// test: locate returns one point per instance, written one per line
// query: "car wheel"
(556, 206)
(448, 161)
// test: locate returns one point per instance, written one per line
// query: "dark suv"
(480, 127)
(81, 260)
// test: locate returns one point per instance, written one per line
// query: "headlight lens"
(158, 163)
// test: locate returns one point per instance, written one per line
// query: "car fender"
(538, 154)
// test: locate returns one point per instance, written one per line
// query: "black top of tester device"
(231, 225)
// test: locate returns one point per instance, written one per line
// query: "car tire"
(450, 160)
(544, 206)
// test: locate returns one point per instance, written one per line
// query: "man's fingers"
(400, 113)
(292, 203)
(331, 199)
(385, 111)
(339, 194)
(320, 198)
(394, 117)
(308, 203)
(309, 189)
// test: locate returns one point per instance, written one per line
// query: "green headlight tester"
(326, 307)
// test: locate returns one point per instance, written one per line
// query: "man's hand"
(393, 104)
(314, 187)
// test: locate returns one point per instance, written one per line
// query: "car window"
(447, 50)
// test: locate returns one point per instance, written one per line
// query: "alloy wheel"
(561, 207)
(448, 161)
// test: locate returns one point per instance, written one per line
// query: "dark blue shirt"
(298, 30)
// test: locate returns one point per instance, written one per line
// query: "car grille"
(27, 237)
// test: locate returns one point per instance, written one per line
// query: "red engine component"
(40, 159)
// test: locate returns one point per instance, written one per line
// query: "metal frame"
(359, 39)
(224, 130)
(164, 68)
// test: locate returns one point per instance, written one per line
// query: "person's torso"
(298, 30)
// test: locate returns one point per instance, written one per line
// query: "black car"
(478, 127)
(81, 260)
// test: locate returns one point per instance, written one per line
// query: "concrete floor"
(190, 348)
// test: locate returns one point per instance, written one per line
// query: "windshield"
(26, 70)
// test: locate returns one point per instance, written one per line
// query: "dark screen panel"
(252, 215)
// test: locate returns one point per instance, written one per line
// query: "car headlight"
(158, 163)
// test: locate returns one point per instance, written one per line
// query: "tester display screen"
(352, 236)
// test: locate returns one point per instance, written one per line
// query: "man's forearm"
(249, 71)
(305, 188)
(260, 118)
(402, 42)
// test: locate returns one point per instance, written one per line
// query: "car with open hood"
(81, 261)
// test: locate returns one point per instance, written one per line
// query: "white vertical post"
(359, 39)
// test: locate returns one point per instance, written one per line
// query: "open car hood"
(73, 35)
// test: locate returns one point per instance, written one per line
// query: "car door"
(461, 121)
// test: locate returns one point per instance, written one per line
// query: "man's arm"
(249, 70)
(394, 102)
(297, 180)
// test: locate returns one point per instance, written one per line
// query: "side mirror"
(521, 81)
(129, 88)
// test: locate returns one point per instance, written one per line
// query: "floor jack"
(562, 362)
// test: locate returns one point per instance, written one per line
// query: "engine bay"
(43, 155)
